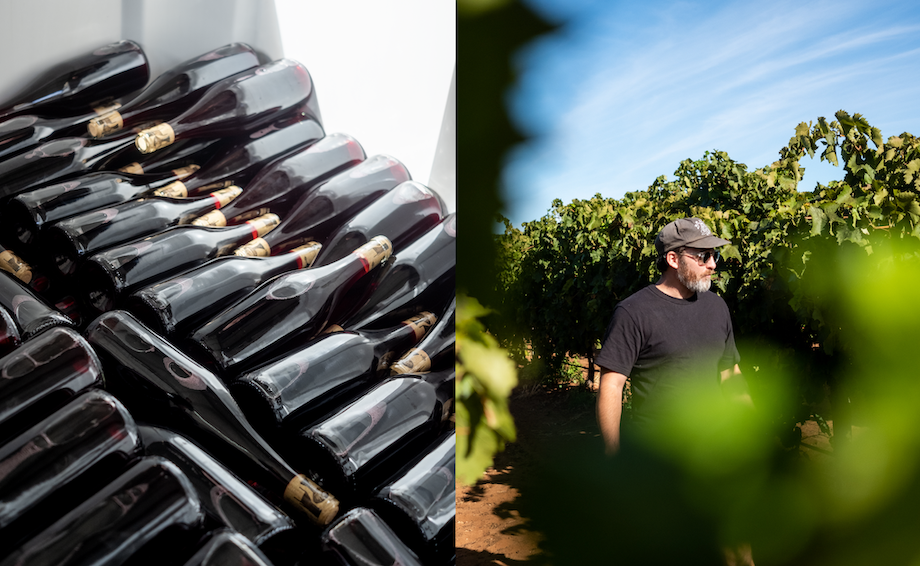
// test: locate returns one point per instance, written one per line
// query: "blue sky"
(624, 91)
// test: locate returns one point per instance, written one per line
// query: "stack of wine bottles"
(220, 326)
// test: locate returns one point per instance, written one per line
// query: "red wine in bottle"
(226, 499)
(150, 499)
(74, 86)
(57, 159)
(32, 315)
(281, 183)
(227, 548)
(163, 386)
(91, 428)
(245, 102)
(360, 537)
(176, 306)
(320, 211)
(292, 306)
(176, 90)
(109, 276)
(241, 162)
(43, 374)
(79, 236)
(419, 277)
(360, 448)
(421, 503)
(402, 215)
(324, 374)
(25, 132)
(9, 333)
(28, 212)
(435, 351)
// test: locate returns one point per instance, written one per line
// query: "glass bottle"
(111, 275)
(435, 351)
(420, 276)
(243, 103)
(359, 448)
(176, 306)
(74, 238)
(151, 501)
(278, 185)
(360, 537)
(74, 86)
(28, 212)
(32, 315)
(227, 548)
(322, 375)
(291, 307)
(176, 90)
(163, 386)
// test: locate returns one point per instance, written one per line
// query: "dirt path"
(494, 525)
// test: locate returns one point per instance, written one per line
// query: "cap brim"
(707, 242)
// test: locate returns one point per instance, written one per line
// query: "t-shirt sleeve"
(622, 343)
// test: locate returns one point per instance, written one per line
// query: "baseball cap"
(689, 232)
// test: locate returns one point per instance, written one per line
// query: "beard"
(698, 284)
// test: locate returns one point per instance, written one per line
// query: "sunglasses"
(703, 256)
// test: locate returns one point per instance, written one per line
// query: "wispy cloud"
(623, 95)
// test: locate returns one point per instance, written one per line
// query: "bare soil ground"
(491, 527)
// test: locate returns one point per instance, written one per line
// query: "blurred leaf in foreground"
(486, 377)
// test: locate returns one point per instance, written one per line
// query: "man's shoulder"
(640, 297)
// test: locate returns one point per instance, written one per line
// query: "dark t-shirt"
(666, 346)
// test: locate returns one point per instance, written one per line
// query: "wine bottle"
(150, 499)
(241, 162)
(79, 236)
(323, 374)
(360, 448)
(71, 87)
(22, 133)
(279, 184)
(318, 212)
(94, 428)
(240, 104)
(360, 537)
(28, 212)
(227, 548)
(13, 264)
(9, 333)
(176, 90)
(163, 386)
(31, 314)
(421, 503)
(402, 215)
(176, 306)
(180, 154)
(292, 306)
(108, 276)
(57, 159)
(419, 277)
(227, 500)
(435, 351)
(41, 375)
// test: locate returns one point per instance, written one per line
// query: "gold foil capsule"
(176, 189)
(306, 254)
(157, 137)
(414, 361)
(421, 323)
(133, 168)
(224, 196)
(308, 498)
(375, 251)
(183, 172)
(105, 124)
(12, 263)
(215, 218)
(264, 224)
(256, 248)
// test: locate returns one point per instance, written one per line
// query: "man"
(670, 337)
